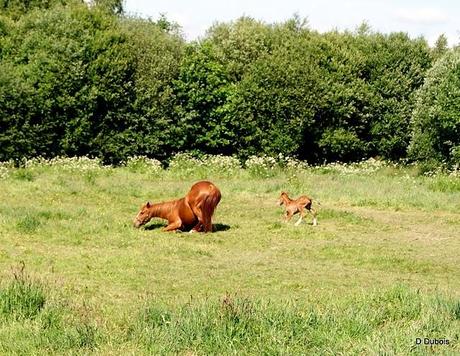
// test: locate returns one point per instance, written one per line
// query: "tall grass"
(235, 325)
(22, 298)
(35, 322)
(388, 321)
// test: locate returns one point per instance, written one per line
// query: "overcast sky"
(416, 17)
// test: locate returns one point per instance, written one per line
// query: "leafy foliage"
(74, 78)
(78, 79)
(436, 117)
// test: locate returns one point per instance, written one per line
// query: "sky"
(416, 17)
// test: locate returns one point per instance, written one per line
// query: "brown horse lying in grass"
(194, 211)
(297, 206)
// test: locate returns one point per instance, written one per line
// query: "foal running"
(193, 211)
(297, 206)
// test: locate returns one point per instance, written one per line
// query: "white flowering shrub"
(455, 171)
(186, 165)
(261, 166)
(443, 170)
(143, 164)
(291, 163)
(3, 172)
(221, 165)
(266, 166)
(5, 169)
(368, 166)
(80, 164)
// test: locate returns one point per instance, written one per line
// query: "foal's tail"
(317, 202)
(209, 205)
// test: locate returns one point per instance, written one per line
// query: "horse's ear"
(148, 204)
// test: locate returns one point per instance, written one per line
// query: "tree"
(441, 46)
(436, 117)
(17, 8)
(68, 84)
(158, 51)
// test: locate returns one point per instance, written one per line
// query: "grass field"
(379, 271)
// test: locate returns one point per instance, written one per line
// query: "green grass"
(380, 269)
(245, 326)
(21, 299)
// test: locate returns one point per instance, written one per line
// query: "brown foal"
(297, 206)
(194, 211)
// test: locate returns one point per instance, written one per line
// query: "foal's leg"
(313, 213)
(302, 214)
(287, 216)
(284, 216)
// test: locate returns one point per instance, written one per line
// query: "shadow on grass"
(154, 226)
(158, 225)
(220, 227)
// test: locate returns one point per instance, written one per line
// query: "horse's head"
(143, 216)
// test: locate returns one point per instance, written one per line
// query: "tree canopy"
(86, 79)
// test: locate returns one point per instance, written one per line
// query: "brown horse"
(194, 211)
(297, 206)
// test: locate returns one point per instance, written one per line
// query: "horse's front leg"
(173, 226)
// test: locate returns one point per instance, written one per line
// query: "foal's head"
(143, 216)
(282, 198)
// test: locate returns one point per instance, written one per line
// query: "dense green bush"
(277, 96)
(436, 117)
(157, 50)
(17, 8)
(202, 90)
(87, 80)
(75, 81)
(367, 94)
(66, 82)
(251, 88)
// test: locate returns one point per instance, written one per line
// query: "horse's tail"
(209, 205)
